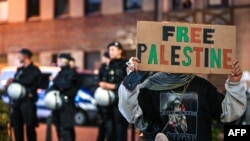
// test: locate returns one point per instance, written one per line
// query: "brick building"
(81, 27)
(85, 27)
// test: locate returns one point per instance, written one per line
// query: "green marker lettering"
(185, 52)
(215, 59)
(152, 59)
(182, 33)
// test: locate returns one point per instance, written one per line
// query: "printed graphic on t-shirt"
(180, 113)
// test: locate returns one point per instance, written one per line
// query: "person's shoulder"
(19, 68)
(103, 65)
(119, 62)
(68, 72)
(122, 59)
(202, 80)
(35, 67)
(73, 71)
(125, 60)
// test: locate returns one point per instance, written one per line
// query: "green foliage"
(4, 122)
(216, 132)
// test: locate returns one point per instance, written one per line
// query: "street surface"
(83, 133)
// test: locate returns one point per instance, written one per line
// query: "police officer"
(72, 63)
(66, 82)
(105, 113)
(117, 72)
(23, 110)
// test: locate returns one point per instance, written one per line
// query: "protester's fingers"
(135, 59)
(237, 72)
(233, 67)
(130, 68)
(132, 64)
(135, 62)
(235, 64)
(136, 66)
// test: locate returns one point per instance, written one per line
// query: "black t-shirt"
(187, 117)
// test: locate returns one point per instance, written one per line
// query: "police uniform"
(23, 110)
(117, 72)
(105, 113)
(67, 83)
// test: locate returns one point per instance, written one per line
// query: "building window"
(61, 8)
(132, 5)
(33, 8)
(217, 3)
(92, 60)
(3, 10)
(54, 59)
(182, 4)
(3, 60)
(92, 7)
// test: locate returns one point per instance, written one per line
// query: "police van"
(86, 110)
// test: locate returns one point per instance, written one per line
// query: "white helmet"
(16, 90)
(53, 100)
(104, 97)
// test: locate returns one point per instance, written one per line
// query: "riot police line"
(59, 97)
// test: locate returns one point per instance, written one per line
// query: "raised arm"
(235, 101)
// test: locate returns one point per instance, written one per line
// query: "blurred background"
(84, 28)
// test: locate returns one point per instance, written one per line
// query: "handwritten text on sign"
(185, 48)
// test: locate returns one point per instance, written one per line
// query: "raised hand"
(236, 74)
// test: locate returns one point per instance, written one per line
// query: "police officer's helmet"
(16, 91)
(104, 97)
(53, 100)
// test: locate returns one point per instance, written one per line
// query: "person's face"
(114, 52)
(21, 58)
(58, 62)
(61, 62)
(72, 64)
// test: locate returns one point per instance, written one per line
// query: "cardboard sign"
(185, 48)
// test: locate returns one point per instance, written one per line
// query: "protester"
(181, 106)
(23, 109)
(117, 72)
(66, 82)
